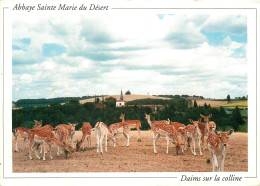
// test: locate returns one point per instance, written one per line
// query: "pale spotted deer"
(22, 133)
(71, 131)
(102, 133)
(62, 134)
(86, 135)
(217, 144)
(132, 124)
(162, 128)
(42, 136)
(204, 128)
(194, 134)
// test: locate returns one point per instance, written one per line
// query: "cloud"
(170, 54)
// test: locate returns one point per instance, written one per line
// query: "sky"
(155, 54)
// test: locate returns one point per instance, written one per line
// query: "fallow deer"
(42, 136)
(132, 124)
(194, 134)
(22, 133)
(204, 128)
(217, 144)
(102, 133)
(71, 131)
(212, 126)
(86, 134)
(162, 128)
(62, 134)
(181, 131)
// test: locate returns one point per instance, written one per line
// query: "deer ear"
(201, 116)
(210, 115)
(191, 120)
(199, 120)
(216, 132)
(230, 132)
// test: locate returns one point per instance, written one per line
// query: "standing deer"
(86, 134)
(162, 128)
(194, 133)
(204, 128)
(217, 144)
(132, 124)
(102, 133)
(21, 132)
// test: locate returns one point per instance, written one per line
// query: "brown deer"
(181, 131)
(86, 135)
(132, 124)
(162, 128)
(71, 131)
(40, 136)
(217, 144)
(194, 134)
(204, 128)
(22, 133)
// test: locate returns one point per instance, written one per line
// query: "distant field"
(212, 103)
(242, 104)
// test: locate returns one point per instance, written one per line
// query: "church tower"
(120, 102)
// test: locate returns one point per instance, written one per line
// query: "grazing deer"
(40, 136)
(71, 131)
(194, 134)
(86, 134)
(162, 128)
(102, 132)
(204, 128)
(217, 144)
(132, 124)
(21, 132)
(62, 134)
(181, 130)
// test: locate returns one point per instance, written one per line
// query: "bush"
(243, 128)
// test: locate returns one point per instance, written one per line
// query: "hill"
(126, 98)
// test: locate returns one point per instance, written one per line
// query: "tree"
(228, 98)
(110, 102)
(195, 104)
(74, 101)
(128, 92)
(237, 116)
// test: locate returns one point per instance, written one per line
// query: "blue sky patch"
(53, 49)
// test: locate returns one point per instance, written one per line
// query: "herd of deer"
(216, 141)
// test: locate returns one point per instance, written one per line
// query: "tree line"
(177, 110)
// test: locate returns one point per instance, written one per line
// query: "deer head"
(206, 118)
(38, 124)
(223, 136)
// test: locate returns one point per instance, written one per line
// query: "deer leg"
(23, 143)
(72, 141)
(98, 143)
(167, 142)
(199, 146)
(156, 137)
(101, 145)
(35, 151)
(222, 163)
(139, 140)
(127, 138)
(30, 149)
(106, 142)
(16, 145)
(50, 150)
(44, 151)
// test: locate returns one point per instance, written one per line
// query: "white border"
(251, 104)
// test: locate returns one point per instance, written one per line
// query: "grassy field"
(242, 104)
